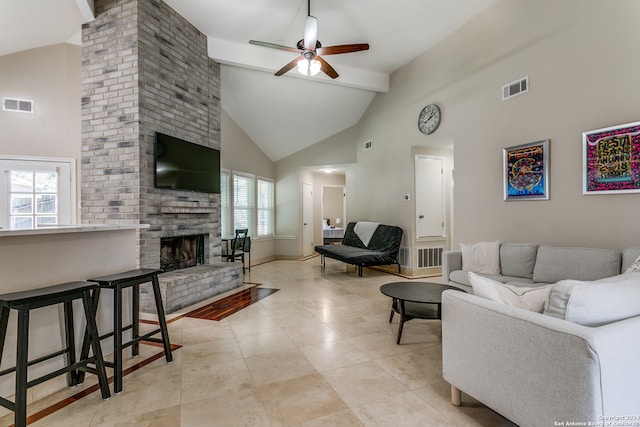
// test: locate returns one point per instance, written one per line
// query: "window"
(265, 207)
(35, 192)
(226, 226)
(243, 202)
(246, 202)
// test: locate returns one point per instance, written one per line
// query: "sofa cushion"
(595, 303)
(518, 259)
(482, 257)
(635, 267)
(630, 260)
(555, 263)
(356, 256)
(462, 277)
(529, 298)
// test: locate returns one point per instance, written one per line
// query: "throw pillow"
(635, 267)
(598, 302)
(529, 298)
(483, 257)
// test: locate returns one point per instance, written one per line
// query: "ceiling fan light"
(314, 67)
(309, 68)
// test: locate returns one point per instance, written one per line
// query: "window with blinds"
(226, 225)
(246, 201)
(265, 207)
(243, 201)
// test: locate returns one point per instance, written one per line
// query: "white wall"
(49, 76)
(240, 153)
(582, 59)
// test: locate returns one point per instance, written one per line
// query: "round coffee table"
(415, 300)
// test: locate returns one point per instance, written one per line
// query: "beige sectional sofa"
(577, 362)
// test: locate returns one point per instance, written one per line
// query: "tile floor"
(320, 352)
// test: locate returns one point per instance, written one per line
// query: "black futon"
(381, 250)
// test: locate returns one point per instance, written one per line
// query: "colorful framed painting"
(611, 159)
(526, 171)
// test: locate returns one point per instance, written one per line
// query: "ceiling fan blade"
(274, 46)
(326, 68)
(310, 32)
(290, 66)
(344, 48)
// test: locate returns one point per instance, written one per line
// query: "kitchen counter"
(73, 228)
(31, 259)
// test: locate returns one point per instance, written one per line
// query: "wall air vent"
(430, 257)
(17, 105)
(518, 87)
(404, 256)
(367, 145)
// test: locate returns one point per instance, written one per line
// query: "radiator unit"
(430, 257)
(404, 256)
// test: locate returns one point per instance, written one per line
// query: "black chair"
(26, 301)
(116, 283)
(240, 245)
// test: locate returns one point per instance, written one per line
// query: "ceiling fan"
(311, 50)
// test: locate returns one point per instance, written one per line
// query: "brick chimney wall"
(146, 69)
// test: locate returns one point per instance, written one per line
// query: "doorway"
(307, 219)
(430, 209)
(333, 206)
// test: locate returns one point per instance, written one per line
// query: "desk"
(332, 235)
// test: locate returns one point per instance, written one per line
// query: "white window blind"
(226, 226)
(265, 207)
(243, 201)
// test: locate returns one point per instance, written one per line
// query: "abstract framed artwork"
(611, 160)
(526, 171)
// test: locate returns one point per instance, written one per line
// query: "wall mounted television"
(183, 165)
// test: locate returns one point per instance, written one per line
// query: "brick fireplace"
(181, 252)
(145, 69)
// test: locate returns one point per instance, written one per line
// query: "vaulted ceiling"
(281, 114)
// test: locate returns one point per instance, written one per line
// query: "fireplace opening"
(181, 252)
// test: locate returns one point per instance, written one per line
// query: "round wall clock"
(429, 119)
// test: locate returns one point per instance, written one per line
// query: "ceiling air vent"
(367, 145)
(18, 105)
(516, 88)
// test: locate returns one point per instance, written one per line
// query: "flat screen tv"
(182, 165)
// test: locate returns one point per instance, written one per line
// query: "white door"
(307, 219)
(429, 197)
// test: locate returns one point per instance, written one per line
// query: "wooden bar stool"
(118, 282)
(23, 303)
